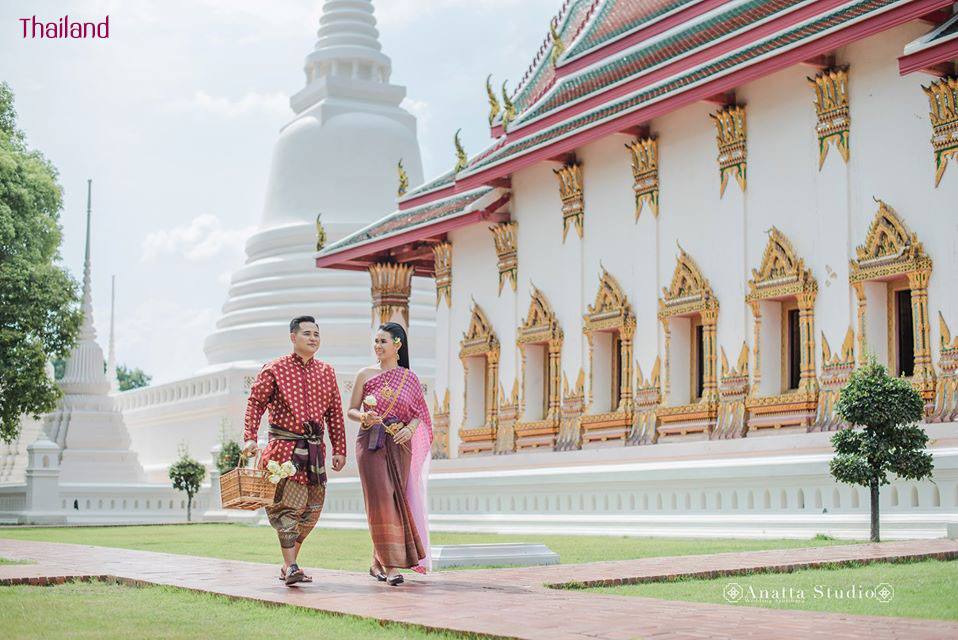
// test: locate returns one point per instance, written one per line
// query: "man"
(301, 396)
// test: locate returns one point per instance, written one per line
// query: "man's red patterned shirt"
(295, 392)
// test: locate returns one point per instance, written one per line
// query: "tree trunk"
(874, 501)
(189, 508)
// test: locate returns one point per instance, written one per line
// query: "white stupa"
(336, 159)
(87, 426)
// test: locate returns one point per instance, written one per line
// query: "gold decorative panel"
(836, 370)
(504, 235)
(610, 311)
(731, 135)
(783, 274)
(442, 254)
(943, 101)
(391, 286)
(946, 389)
(891, 250)
(570, 190)
(480, 340)
(648, 395)
(541, 327)
(506, 425)
(733, 388)
(573, 404)
(645, 172)
(831, 105)
(440, 427)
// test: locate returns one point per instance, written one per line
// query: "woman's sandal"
(395, 580)
(379, 575)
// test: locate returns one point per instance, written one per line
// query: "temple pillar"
(924, 372)
(391, 286)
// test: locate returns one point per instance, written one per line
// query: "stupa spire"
(83, 373)
(111, 358)
(347, 58)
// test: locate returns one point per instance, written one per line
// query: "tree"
(39, 302)
(187, 475)
(890, 441)
(229, 456)
(131, 378)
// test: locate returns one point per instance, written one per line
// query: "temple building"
(693, 220)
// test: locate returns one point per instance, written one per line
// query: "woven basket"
(247, 489)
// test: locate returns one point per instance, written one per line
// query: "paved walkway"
(511, 603)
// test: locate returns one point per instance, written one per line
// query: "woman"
(393, 451)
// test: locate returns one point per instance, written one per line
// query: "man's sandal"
(293, 578)
(379, 575)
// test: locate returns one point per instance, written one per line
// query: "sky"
(174, 117)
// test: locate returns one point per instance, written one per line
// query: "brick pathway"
(511, 603)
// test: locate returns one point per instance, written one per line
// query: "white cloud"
(203, 238)
(399, 12)
(274, 104)
(420, 109)
(163, 337)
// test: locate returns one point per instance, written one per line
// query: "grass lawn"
(98, 610)
(351, 549)
(926, 589)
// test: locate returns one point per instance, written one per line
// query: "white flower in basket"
(279, 471)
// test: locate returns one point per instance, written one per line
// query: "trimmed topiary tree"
(890, 440)
(229, 456)
(187, 475)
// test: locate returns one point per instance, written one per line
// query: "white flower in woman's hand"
(370, 400)
(272, 466)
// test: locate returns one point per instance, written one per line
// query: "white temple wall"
(474, 277)
(553, 267)
(891, 158)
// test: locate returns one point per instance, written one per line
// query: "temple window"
(688, 312)
(479, 353)
(890, 276)
(539, 339)
(609, 326)
(782, 294)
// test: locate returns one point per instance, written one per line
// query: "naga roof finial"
(461, 158)
(493, 101)
(558, 48)
(508, 109)
(403, 180)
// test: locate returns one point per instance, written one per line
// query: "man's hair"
(295, 322)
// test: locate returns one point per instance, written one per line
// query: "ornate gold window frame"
(783, 276)
(891, 250)
(610, 312)
(688, 294)
(480, 340)
(540, 327)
